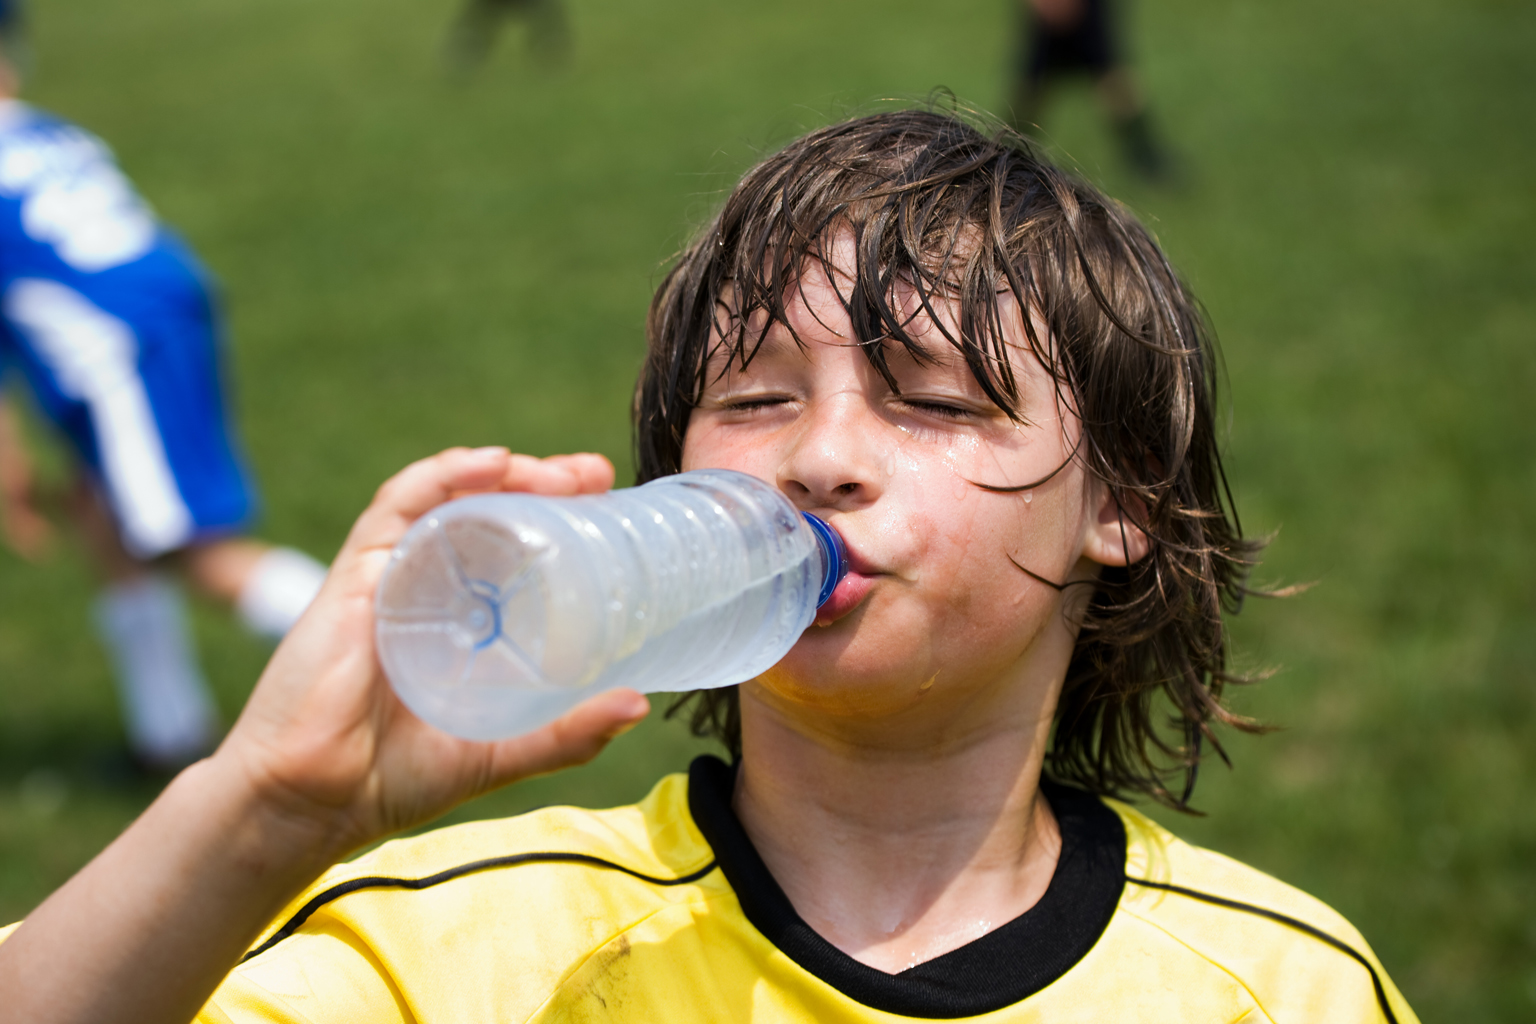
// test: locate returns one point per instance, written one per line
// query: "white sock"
(166, 704)
(279, 589)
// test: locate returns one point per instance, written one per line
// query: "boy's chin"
(817, 690)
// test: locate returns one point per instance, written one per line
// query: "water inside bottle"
(499, 613)
(489, 626)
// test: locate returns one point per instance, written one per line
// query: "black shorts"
(1088, 47)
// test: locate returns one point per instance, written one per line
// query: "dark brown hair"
(960, 214)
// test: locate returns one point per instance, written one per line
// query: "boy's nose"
(832, 462)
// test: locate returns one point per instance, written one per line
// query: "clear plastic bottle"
(499, 612)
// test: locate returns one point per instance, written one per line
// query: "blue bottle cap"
(834, 555)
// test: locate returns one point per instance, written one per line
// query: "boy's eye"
(751, 403)
(943, 410)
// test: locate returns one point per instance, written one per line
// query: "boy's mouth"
(849, 593)
(853, 588)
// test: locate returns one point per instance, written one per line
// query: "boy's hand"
(23, 526)
(322, 760)
(323, 739)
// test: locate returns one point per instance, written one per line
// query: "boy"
(107, 317)
(988, 379)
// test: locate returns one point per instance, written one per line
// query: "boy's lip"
(852, 590)
(849, 593)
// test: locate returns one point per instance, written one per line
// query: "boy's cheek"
(710, 444)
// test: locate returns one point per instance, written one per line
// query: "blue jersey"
(109, 317)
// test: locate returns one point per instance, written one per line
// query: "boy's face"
(932, 613)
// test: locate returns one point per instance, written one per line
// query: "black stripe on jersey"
(1014, 960)
(341, 889)
(1301, 926)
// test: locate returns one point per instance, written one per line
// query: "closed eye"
(942, 410)
(748, 404)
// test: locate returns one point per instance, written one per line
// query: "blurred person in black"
(481, 21)
(1063, 38)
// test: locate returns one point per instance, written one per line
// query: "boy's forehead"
(817, 328)
(817, 295)
(815, 310)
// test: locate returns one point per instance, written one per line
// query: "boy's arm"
(322, 760)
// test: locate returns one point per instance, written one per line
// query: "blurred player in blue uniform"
(107, 318)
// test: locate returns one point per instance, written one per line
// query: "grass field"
(412, 261)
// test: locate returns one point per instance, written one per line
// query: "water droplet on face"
(1029, 496)
(890, 464)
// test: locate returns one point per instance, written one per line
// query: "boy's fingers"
(559, 475)
(594, 473)
(30, 534)
(537, 476)
(573, 739)
(430, 482)
(421, 487)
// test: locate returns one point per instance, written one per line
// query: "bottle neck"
(834, 556)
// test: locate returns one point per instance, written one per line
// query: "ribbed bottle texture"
(499, 612)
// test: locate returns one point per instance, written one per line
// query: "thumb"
(575, 738)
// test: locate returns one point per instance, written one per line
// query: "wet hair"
(961, 213)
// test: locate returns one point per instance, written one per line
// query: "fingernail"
(491, 449)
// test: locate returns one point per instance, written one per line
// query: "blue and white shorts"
(142, 404)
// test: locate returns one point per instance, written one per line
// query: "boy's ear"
(1113, 536)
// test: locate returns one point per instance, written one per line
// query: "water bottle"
(499, 612)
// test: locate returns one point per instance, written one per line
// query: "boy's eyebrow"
(926, 327)
(733, 351)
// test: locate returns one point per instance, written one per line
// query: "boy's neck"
(897, 854)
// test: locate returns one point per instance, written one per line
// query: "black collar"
(1002, 967)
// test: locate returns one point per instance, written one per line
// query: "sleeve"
(317, 977)
(1297, 957)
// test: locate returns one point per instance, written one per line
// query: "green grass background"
(412, 261)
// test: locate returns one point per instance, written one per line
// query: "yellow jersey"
(663, 911)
